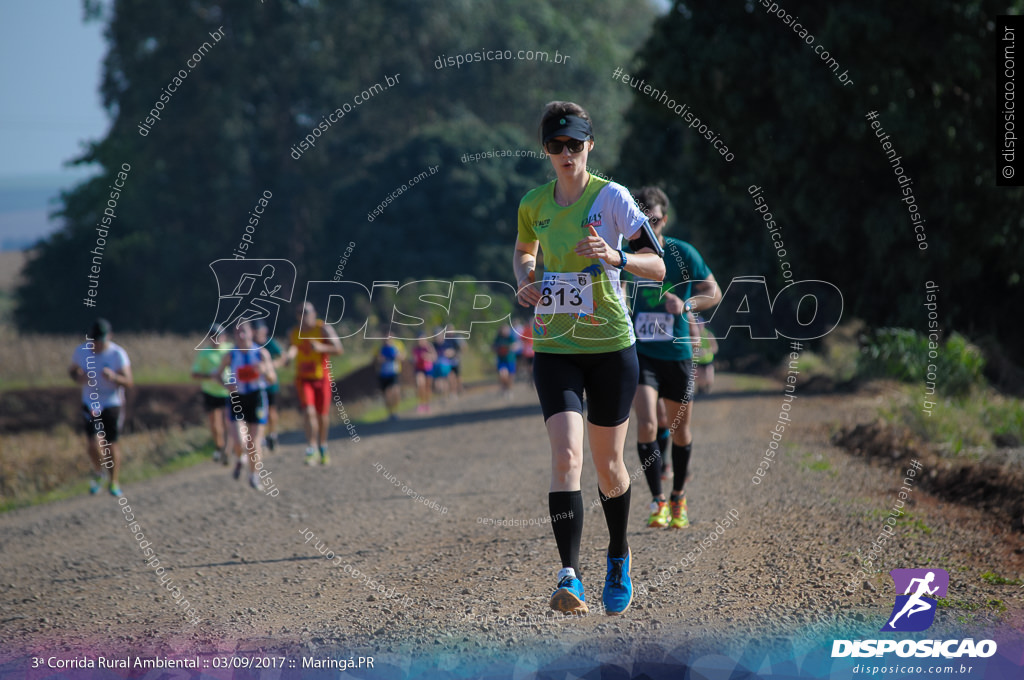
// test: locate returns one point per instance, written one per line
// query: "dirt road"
(443, 560)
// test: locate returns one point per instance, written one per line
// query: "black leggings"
(609, 380)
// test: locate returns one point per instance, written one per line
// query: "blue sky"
(50, 64)
(49, 79)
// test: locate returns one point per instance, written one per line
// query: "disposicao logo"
(914, 610)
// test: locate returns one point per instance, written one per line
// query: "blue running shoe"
(95, 484)
(569, 598)
(618, 588)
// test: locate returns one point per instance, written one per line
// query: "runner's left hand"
(673, 304)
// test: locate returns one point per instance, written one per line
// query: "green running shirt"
(613, 213)
(683, 266)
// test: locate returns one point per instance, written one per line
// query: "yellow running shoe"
(680, 520)
(659, 515)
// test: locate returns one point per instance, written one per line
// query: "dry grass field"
(36, 360)
(11, 262)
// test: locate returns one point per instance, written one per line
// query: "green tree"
(927, 68)
(227, 134)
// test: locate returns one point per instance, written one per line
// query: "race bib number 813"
(566, 293)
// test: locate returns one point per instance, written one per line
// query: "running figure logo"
(260, 288)
(915, 608)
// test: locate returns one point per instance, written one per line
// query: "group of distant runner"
(437, 369)
(588, 349)
(239, 385)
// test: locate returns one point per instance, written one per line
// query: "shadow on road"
(739, 394)
(242, 563)
(416, 423)
(413, 423)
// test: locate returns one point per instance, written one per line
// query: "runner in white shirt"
(103, 370)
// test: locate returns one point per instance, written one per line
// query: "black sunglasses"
(554, 146)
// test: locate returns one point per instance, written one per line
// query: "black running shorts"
(212, 403)
(107, 424)
(250, 408)
(609, 380)
(673, 380)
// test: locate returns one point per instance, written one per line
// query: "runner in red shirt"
(311, 343)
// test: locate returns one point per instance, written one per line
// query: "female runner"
(583, 339)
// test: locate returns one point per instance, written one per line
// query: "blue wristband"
(621, 265)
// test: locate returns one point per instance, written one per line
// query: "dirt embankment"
(149, 407)
(996, 488)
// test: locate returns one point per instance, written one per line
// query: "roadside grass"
(905, 521)
(943, 397)
(992, 604)
(995, 579)
(837, 356)
(947, 402)
(815, 462)
(744, 382)
(38, 360)
(970, 426)
(42, 467)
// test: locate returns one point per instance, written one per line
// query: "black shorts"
(212, 403)
(108, 424)
(253, 408)
(609, 380)
(386, 381)
(271, 398)
(673, 380)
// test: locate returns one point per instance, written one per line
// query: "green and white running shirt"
(585, 312)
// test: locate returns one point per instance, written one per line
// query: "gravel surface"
(459, 587)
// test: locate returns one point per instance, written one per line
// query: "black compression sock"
(566, 509)
(616, 514)
(650, 462)
(664, 437)
(680, 461)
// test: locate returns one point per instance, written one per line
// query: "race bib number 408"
(566, 293)
(654, 327)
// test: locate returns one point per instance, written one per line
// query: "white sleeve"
(628, 215)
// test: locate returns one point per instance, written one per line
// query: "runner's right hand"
(527, 294)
